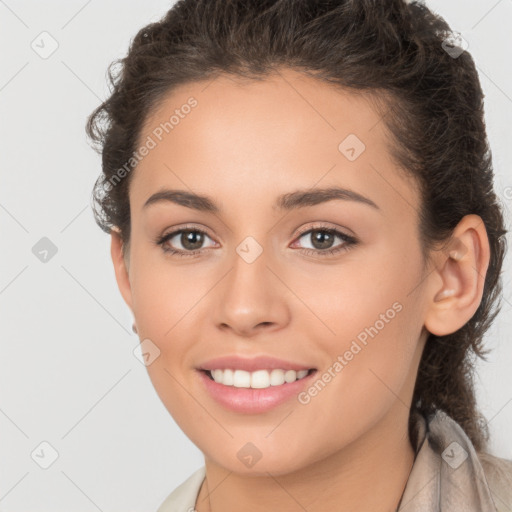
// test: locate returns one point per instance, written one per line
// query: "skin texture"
(244, 144)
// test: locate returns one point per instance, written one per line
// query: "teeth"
(259, 379)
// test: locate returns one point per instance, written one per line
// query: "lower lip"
(253, 401)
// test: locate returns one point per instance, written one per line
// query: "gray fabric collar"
(447, 474)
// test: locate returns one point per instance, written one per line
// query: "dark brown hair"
(430, 99)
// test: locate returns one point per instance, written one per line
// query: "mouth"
(254, 392)
(259, 379)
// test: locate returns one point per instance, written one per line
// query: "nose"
(251, 299)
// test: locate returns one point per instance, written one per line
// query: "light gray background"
(68, 375)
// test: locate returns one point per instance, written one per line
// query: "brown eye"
(322, 241)
(191, 239)
(321, 238)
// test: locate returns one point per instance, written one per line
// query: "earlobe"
(120, 267)
(462, 267)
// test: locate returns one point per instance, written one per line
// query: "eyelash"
(350, 241)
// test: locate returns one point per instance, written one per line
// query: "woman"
(236, 133)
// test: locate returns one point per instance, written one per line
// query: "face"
(273, 274)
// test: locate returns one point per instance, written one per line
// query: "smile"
(254, 392)
(259, 379)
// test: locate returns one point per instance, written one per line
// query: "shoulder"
(498, 473)
(183, 498)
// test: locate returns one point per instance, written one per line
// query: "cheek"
(369, 368)
(370, 332)
(163, 293)
(165, 301)
(181, 404)
(365, 297)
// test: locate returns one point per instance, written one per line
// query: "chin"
(261, 458)
(276, 465)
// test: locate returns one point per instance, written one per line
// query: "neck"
(339, 482)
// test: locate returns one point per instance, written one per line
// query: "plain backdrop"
(68, 376)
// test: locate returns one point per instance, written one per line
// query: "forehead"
(247, 137)
(285, 100)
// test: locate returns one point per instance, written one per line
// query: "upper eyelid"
(318, 225)
(188, 227)
(174, 232)
(337, 233)
(326, 227)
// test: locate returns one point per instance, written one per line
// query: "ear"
(461, 267)
(120, 267)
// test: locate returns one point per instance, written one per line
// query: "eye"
(191, 241)
(322, 239)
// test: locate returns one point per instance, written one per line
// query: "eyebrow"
(289, 201)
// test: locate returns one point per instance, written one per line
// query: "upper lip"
(251, 364)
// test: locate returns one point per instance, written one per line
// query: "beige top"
(447, 475)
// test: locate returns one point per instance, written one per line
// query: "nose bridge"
(250, 294)
(248, 280)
